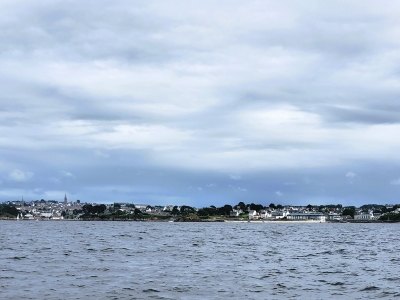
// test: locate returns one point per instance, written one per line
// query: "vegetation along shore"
(75, 210)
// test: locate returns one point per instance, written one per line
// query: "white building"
(312, 216)
(235, 213)
(253, 215)
(334, 217)
(46, 215)
(265, 214)
(365, 216)
(279, 214)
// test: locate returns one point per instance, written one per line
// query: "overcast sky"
(200, 102)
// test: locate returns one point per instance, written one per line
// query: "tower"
(22, 202)
(65, 199)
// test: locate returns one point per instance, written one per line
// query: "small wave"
(307, 255)
(393, 279)
(337, 283)
(150, 291)
(332, 272)
(370, 288)
(17, 257)
(108, 250)
(181, 289)
(340, 251)
(395, 259)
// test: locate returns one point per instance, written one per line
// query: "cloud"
(279, 193)
(101, 154)
(237, 189)
(211, 185)
(307, 180)
(67, 174)
(54, 179)
(197, 188)
(395, 181)
(350, 175)
(286, 95)
(20, 176)
(63, 176)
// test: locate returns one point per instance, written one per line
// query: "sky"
(200, 102)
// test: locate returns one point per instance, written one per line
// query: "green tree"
(349, 211)
(256, 207)
(225, 210)
(241, 206)
(175, 210)
(187, 209)
(100, 209)
(207, 211)
(77, 211)
(8, 210)
(90, 210)
(87, 209)
(202, 212)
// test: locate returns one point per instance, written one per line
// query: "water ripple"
(132, 260)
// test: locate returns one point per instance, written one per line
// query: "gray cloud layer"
(198, 102)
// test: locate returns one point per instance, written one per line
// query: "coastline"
(212, 221)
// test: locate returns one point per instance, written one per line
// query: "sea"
(164, 260)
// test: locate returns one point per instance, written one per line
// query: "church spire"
(65, 199)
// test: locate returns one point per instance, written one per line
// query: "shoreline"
(215, 221)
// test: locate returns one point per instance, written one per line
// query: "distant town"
(41, 210)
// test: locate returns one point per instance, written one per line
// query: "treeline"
(93, 210)
(8, 211)
(100, 212)
(241, 206)
(391, 215)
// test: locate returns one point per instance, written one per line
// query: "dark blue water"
(140, 260)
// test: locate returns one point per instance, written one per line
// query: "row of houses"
(370, 215)
(304, 215)
(289, 215)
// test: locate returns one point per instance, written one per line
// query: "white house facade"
(313, 216)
